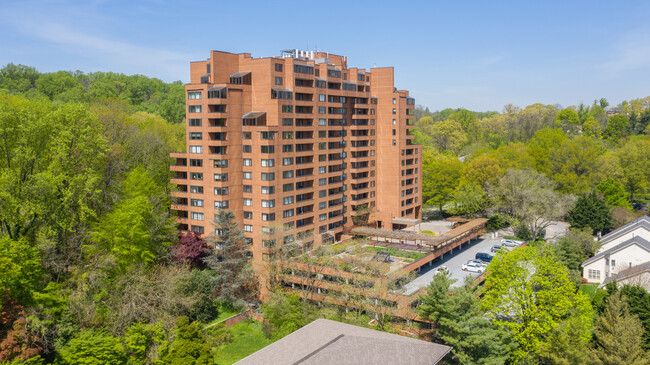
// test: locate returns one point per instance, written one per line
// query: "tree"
(448, 136)
(189, 346)
(638, 301)
(469, 199)
(635, 163)
(591, 211)
(440, 176)
(567, 120)
(283, 315)
(191, 249)
(614, 192)
(574, 248)
(460, 323)
(591, 128)
(362, 214)
(482, 171)
(618, 335)
(236, 282)
(18, 78)
(528, 292)
(527, 197)
(20, 265)
(540, 147)
(92, 347)
(573, 164)
(617, 126)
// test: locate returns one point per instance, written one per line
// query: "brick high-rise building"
(293, 145)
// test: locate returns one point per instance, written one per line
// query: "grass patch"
(247, 338)
(399, 253)
(588, 289)
(225, 312)
(430, 233)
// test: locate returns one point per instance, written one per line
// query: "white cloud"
(631, 52)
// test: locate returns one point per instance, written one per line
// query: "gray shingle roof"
(329, 342)
(640, 222)
(628, 273)
(640, 241)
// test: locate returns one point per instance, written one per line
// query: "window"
(286, 161)
(321, 84)
(287, 200)
(394, 101)
(248, 228)
(322, 158)
(246, 148)
(194, 189)
(246, 135)
(321, 97)
(287, 135)
(287, 148)
(220, 177)
(197, 216)
(196, 149)
(278, 80)
(196, 202)
(322, 193)
(268, 203)
(613, 263)
(196, 176)
(322, 205)
(221, 204)
(268, 189)
(248, 215)
(303, 69)
(194, 95)
(267, 149)
(287, 174)
(288, 239)
(268, 217)
(322, 110)
(394, 111)
(334, 73)
(322, 134)
(268, 176)
(268, 244)
(322, 146)
(247, 175)
(322, 170)
(197, 229)
(248, 202)
(287, 187)
(195, 109)
(287, 213)
(221, 191)
(394, 122)
(394, 132)
(322, 121)
(268, 162)
(247, 162)
(322, 217)
(281, 94)
(267, 135)
(220, 163)
(217, 93)
(322, 181)
(278, 67)
(287, 108)
(196, 163)
(593, 274)
(248, 188)
(394, 143)
(287, 121)
(195, 122)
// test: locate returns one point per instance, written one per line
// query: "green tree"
(460, 323)
(591, 211)
(527, 197)
(638, 301)
(440, 176)
(92, 347)
(236, 282)
(284, 313)
(591, 128)
(448, 136)
(189, 346)
(635, 162)
(618, 335)
(528, 292)
(615, 194)
(18, 78)
(540, 147)
(567, 120)
(20, 265)
(482, 170)
(469, 199)
(574, 248)
(573, 165)
(617, 126)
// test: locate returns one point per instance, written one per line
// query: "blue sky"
(479, 55)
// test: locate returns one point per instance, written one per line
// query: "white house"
(636, 275)
(621, 249)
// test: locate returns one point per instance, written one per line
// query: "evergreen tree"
(459, 323)
(618, 335)
(591, 211)
(638, 302)
(189, 347)
(236, 282)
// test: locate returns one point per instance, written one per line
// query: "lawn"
(224, 313)
(399, 253)
(247, 338)
(589, 290)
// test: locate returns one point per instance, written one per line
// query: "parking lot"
(454, 262)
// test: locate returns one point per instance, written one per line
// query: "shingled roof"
(639, 241)
(328, 342)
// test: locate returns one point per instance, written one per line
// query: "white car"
(441, 270)
(473, 267)
(511, 243)
(477, 262)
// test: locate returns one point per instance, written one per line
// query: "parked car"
(478, 262)
(496, 248)
(473, 267)
(441, 269)
(511, 243)
(485, 257)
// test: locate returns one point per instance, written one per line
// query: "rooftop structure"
(328, 342)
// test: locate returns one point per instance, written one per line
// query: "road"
(454, 263)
